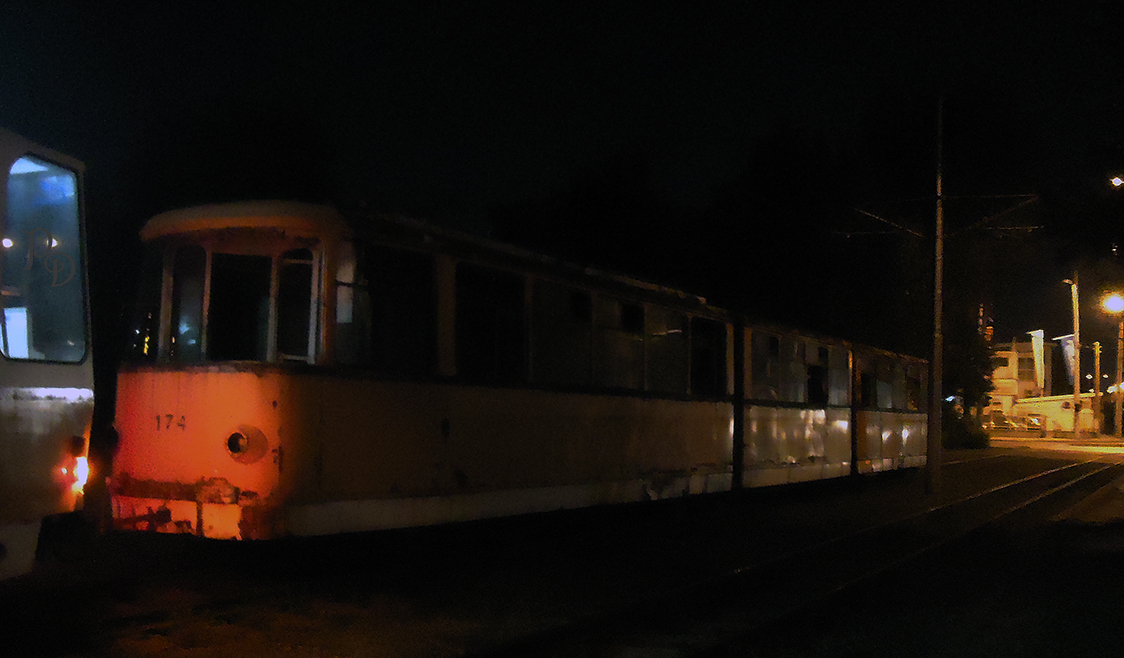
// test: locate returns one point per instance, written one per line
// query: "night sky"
(657, 138)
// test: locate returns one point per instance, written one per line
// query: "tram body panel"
(435, 445)
(178, 465)
(785, 445)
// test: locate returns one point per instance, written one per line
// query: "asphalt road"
(1045, 585)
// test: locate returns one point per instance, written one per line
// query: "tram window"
(793, 375)
(43, 286)
(353, 310)
(561, 333)
(402, 311)
(668, 350)
(294, 304)
(839, 374)
(618, 343)
(868, 391)
(885, 385)
(489, 325)
(817, 385)
(913, 395)
(144, 333)
(189, 269)
(708, 358)
(765, 355)
(818, 375)
(238, 316)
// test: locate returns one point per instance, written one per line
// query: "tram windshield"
(226, 306)
(42, 288)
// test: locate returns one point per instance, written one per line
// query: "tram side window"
(44, 315)
(353, 309)
(818, 371)
(668, 351)
(618, 343)
(189, 269)
(489, 325)
(913, 391)
(765, 354)
(839, 387)
(238, 316)
(403, 311)
(792, 369)
(561, 330)
(708, 358)
(294, 304)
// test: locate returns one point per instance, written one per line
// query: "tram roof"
(281, 215)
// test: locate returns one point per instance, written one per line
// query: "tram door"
(46, 374)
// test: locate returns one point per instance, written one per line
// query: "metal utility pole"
(1098, 425)
(1119, 369)
(933, 452)
(1076, 357)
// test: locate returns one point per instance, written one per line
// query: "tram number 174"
(165, 422)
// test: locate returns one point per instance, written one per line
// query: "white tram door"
(46, 374)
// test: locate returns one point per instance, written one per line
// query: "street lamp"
(1114, 304)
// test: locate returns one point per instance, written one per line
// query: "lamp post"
(1114, 304)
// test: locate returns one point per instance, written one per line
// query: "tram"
(297, 371)
(46, 373)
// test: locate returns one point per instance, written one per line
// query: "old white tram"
(46, 373)
(296, 371)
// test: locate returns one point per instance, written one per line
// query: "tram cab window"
(144, 332)
(189, 270)
(618, 343)
(489, 325)
(238, 316)
(708, 358)
(561, 331)
(668, 351)
(913, 389)
(43, 296)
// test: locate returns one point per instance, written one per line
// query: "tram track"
(731, 607)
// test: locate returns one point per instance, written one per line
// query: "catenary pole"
(933, 452)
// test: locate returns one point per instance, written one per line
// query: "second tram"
(46, 373)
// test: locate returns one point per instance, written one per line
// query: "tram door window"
(43, 297)
(561, 331)
(618, 344)
(294, 305)
(238, 315)
(489, 325)
(708, 358)
(189, 269)
(668, 351)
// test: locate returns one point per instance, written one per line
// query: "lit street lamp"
(1114, 304)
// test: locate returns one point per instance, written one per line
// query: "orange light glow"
(81, 474)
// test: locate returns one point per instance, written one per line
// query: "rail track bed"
(845, 567)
